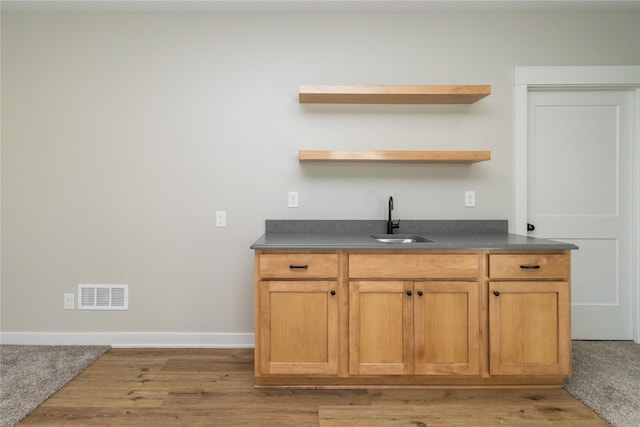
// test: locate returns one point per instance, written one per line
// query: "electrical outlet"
(293, 199)
(221, 218)
(69, 301)
(470, 199)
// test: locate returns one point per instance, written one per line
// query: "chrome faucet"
(391, 225)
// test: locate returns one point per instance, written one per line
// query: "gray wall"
(123, 134)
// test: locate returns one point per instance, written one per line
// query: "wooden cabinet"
(411, 326)
(529, 314)
(420, 328)
(412, 318)
(299, 327)
(296, 314)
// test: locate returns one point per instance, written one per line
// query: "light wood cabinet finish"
(299, 266)
(297, 313)
(529, 328)
(529, 318)
(421, 328)
(446, 328)
(299, 327)
(529, 266)
(380, 328)
(414, 266)
(427, 318)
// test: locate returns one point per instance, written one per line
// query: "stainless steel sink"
(400, 238)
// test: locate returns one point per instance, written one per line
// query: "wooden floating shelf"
(395, 156)
(393, 94)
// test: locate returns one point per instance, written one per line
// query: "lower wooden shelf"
(393, 94)
(394, 156)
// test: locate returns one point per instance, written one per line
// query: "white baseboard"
(132, 339)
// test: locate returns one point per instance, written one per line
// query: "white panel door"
(579, 191)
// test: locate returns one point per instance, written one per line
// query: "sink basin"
(400, 238)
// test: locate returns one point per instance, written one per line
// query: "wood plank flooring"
(215, 387)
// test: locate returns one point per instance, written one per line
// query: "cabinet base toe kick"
(409, 382)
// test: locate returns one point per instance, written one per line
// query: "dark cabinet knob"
(496, 293)
(420, 293)
(409, 293)
(333, 292)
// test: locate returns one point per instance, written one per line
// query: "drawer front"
(524, 266)
(286, 266)
(414, 266)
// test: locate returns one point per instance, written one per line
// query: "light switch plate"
(293, 199)
(470, 199)
(221, 218)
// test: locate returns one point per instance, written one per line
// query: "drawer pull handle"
(298, 267)
(530, 267)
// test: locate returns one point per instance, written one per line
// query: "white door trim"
(526, 78)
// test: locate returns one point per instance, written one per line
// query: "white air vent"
(103, 297)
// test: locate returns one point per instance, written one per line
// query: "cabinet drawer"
(413, 266)
(523, 266)
(298, 266)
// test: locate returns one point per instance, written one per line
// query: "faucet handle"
(395, 224)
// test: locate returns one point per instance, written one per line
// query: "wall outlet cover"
(69, 301)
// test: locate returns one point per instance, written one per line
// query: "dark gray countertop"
(457, 234)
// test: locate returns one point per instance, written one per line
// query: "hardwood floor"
(215, 387)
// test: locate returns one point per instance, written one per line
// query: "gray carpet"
(29, 375)
(606, 378)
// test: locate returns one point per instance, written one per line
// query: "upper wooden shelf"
(395, 156)
(393, 94)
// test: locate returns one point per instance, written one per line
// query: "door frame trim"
(531, 77)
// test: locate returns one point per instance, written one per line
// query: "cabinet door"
(446, 328)
(529, 328)
(298, 327)
(380, 328)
